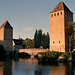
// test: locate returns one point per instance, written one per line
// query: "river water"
(31, 67)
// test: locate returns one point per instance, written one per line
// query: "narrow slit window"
(53, 42)
(51, 15)
(61, 13)
(57, 14)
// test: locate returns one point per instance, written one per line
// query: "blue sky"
(28, 15)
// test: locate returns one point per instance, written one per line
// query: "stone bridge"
(33, 52)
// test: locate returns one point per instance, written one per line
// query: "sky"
(25, 16)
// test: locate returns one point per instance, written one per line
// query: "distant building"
(17, 44)
(6, 36)
(59, 17)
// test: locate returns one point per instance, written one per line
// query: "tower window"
(54, 14)
(51, 15)
(61, 13)
(57, 14)
(59, 41)
(53, 42)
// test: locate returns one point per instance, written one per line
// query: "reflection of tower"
(60, 69)
(1, 68)
(7, 68)
(59, 17)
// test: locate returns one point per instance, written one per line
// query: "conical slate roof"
(61, 6)
(6, 24)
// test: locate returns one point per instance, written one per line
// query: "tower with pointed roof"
(6, 35)
(59, 17)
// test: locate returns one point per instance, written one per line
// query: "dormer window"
(57, 14)
(54, 14)
(59, 41)
(51, 15)
(61, 13)
(53, 42)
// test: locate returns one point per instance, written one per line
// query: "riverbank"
(52, 56)
(49, 56)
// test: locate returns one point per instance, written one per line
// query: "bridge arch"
(33, 52)
(24, 55)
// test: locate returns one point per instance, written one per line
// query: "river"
(31, 67)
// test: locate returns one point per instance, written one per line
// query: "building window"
(51, 15)
(61, 13)
(53, 42)
(59, 41)
(57, 14)
(54, 14)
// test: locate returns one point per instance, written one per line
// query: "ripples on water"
(31, 67)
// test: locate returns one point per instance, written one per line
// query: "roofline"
(60, 10)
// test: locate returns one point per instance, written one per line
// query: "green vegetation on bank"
(66, 55)
(53, 56)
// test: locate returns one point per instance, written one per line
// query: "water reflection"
(26, 66)
(5, 68)
(31, 67)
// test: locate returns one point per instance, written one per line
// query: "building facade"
(6, 35)
(59, 17)
(17, 44)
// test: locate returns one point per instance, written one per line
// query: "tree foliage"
(70, 33)
(40, 39)
(28, 43)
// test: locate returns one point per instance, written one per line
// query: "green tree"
(35, 39)
(41, 39)
(70, 34)
(28, 43)
(45, 40)
(48, 40)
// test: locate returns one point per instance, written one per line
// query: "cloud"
(28, 29)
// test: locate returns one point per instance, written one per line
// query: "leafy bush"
(66, 55)
(52, 55)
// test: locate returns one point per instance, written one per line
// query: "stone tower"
(59, 17)
(6, 35)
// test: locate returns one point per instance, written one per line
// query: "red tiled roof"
(61, 6)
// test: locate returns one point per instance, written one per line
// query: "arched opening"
(36, 56)
(24, 55)
(2, 52)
